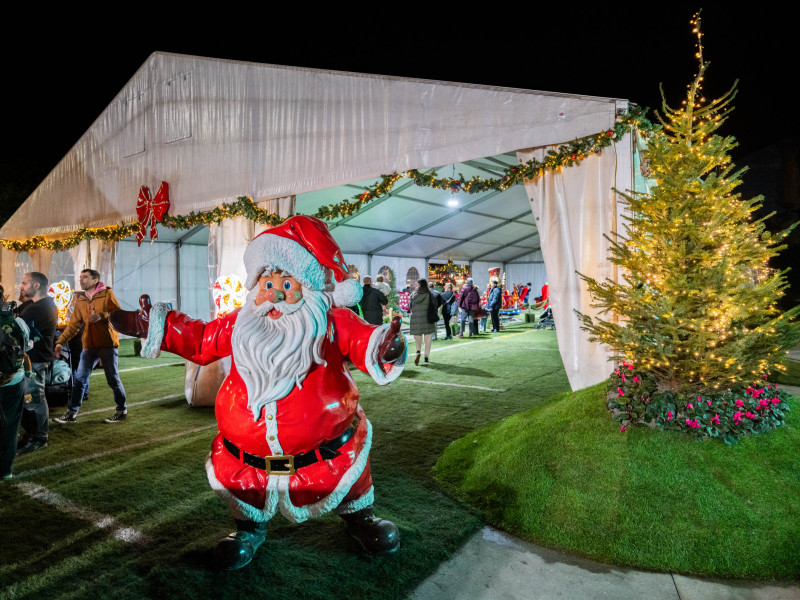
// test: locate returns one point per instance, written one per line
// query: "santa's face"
(278, 287)
(273, 355)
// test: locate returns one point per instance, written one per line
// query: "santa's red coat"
(303, 420)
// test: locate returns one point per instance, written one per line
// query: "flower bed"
(634, 400)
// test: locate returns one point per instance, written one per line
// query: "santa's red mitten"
(133, 322)
(393, 345)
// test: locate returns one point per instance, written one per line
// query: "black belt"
(287, 465)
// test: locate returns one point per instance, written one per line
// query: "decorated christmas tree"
(696, 312)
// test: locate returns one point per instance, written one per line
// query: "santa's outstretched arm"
(173, 331)
(380, 351)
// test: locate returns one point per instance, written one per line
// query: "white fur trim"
(269, 252)
(298, 514)
(372, 360)
(156, 330)
(356, 505)
(277, 495)
(238, 509)
(347, 293)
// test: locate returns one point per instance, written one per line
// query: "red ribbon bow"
(151, 210)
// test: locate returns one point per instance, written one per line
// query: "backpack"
(12, 343)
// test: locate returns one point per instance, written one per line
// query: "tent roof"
(219, 129)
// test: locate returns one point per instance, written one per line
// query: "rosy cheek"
(294, 296)
(261, 297)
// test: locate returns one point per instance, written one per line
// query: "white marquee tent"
(296, 139)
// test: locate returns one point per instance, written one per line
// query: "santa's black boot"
(376, 536)
(237, 549)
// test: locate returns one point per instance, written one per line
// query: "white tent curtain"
(227, 241)
(94, 254)
(400, 265)
(572, 214)
(360, 262)
(533, 273)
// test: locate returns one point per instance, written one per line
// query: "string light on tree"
(698, 301)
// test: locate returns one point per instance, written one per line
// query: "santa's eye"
(269, 285)
(287, 285)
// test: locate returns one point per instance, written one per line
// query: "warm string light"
(566, 155)
(692, 253)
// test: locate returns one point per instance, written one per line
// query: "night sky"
(66, 72)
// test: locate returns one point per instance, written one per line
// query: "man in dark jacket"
(493, 304)
(448, 302)
(372, 302)
(40, 314)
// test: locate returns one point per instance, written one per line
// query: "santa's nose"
(275, 295)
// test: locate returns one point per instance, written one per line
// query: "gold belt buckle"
(289, 470)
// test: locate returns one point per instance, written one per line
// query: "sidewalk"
(494, 565)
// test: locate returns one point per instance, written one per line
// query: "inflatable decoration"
(61, 293)
(292, 435)
(229, 294)
(151, 210)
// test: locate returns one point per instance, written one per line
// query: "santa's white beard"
(273, 356)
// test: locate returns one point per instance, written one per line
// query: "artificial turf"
(564, 475)
(146, 474)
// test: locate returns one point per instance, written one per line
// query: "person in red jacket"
(292, 435)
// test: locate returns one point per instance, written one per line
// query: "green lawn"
(563, 474)
(146, 475)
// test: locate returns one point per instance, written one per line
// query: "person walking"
(493, 304)
(13, 343)
(40, 314)
(470, 303)
(423, 309)
(100, 342)
(372, 302)
(448, 307)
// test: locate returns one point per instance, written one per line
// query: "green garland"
(565, 156)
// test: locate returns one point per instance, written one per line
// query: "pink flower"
(737, 417)
(630, 365)
(764, 377)
(776, 401)
(709, 402)
(689, 406)
(636, 379)
(750, 415)
(739, 403)
(715, 419)
(764, 402)
(669, 415)
(623, 428)
(620, 392)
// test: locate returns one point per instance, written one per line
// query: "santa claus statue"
(292, 435)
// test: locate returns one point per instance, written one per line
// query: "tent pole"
(178, 245)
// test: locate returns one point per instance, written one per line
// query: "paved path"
(494, 565)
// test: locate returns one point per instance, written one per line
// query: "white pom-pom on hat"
(303, 247)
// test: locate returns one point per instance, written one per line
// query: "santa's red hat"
(303, 247)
